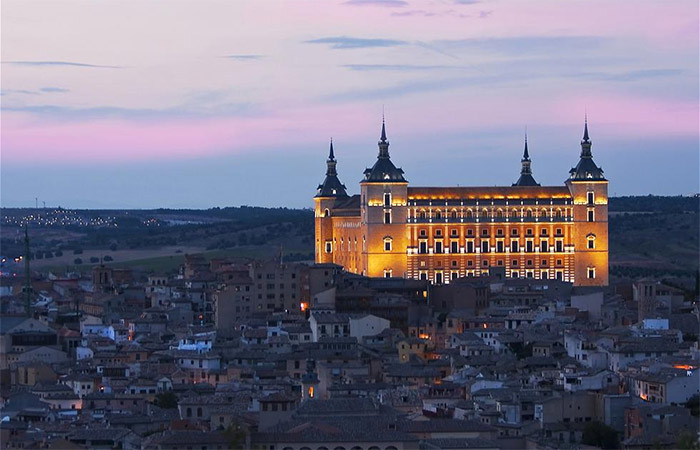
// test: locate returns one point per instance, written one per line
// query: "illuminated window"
(513, 246)
(387, 244)
(591, 241)
(311, 392)
(514, 274)
(326, 213)
(329, 247)
(559, 244)
(387, 273)
(591, 273)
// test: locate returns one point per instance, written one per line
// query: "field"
(649, 236)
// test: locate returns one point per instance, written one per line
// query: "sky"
(196, 104)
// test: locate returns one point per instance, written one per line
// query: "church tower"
(326, 195)
(383, 209)
(589, 190)
(526, 178)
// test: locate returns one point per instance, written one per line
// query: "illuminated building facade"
(392, 229)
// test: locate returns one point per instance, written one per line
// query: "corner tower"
(326, 195)
(589, 190)
(383, 209)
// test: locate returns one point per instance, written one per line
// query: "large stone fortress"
(443, 233)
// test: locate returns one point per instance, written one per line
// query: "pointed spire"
(383, 143)
(383, 137)
(585, 129)
(331, 156)
(526, 155)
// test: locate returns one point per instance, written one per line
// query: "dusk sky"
(131, 104)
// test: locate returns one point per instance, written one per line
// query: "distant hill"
(649, 235)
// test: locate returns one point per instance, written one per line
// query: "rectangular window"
(470, 246)
(387, 217)
(544, 275)
(387, 274)
(591, 273)
(484, 246)
(528, 246)
(423, 275)
(544, 246)
(423, 248)
(329, 247)
(591, 243)
(387, 199)
(387, 245)
(590, 198)
(559, 245)
(514, 246)
(438, 247)
(438, 277)
(454, 247)
(514, 274)
(499, 246)
(560, 275)
(591, 215)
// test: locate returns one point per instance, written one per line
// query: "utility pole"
(28, 275)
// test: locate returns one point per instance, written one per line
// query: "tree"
(113, 246)
(107, 258)
(166, 400)
(600, 435)
(77, 261)
(78, 251)
(94, 259)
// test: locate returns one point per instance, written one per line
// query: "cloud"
(396, 67)
(386, 3)
(525, 45)
(190, 111)
(467, 2)
(54, 89)
(58, 63)
(244, 57)
(344, 42)
(18, 91)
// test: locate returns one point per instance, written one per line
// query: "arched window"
(590, 241)
(421, 214)
(387, 243)
(529, 214)
(469, 214)
(453, 214)
(514, 213)
(543, 213)
(499, 213)
(326, 212)
(558, 213)
(484, 213)
(438, 214)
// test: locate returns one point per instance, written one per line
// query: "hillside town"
(237, 353)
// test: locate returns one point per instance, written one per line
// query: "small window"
(329, 247)
(485, 247)
(514, 232)
(591, 242)
(591, 215)
(387, 273)
(387, 244)
(387, 199)
(515, 263)
(591, 273)
(591, 198)
(387, 217)
(423, 233)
